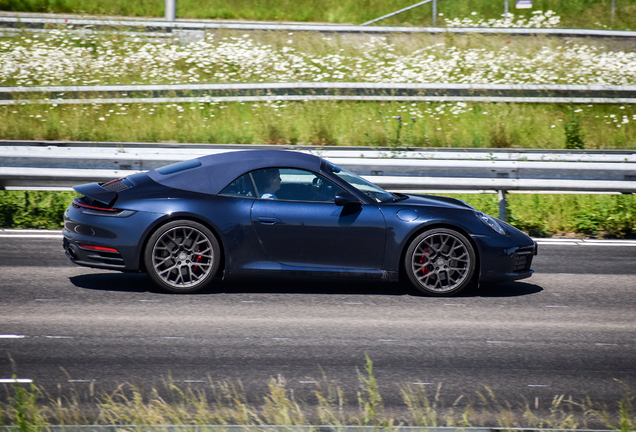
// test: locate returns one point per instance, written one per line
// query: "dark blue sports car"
(283, 213)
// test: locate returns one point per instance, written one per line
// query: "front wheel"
(440, 262)
(182, 256)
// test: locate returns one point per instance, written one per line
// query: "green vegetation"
(32, 408)
(574, 13)
(33, 209)
(460, 125)
(540, 215)
(573, 133)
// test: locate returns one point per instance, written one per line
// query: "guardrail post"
(434, 12)
(171, 10)
(505, 10)
(503, 210)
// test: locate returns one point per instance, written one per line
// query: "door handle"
(269, 220)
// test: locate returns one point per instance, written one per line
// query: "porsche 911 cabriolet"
(285, 213)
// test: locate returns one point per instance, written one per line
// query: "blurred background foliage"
(574, 13)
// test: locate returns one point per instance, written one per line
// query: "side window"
(241, 187)
(294, 185)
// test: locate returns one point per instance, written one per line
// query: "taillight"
(98, 248)
(96, 209)
(78, 203)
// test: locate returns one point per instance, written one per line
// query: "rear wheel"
(440, 262)
(182, 256)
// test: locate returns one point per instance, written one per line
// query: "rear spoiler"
(95, 192)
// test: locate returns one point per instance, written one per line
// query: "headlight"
(491, 222)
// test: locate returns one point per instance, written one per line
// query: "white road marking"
(387, 340)
(52, 236)
(194, 381)
(594, 242)
(46, 300)
(280, 338)
(11, 336)
(172, 337)
(59, 337)
(498, 342)
(250, 301)
(30, 231)
(15, 381)
(606, 344)
(454, 304)
(538, 385)
(557, 242)
(422, 383)
(308, 382)
(144, 300)
(352, 303)
(586, 242)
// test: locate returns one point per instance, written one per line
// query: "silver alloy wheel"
(183, 257)
(441, 262)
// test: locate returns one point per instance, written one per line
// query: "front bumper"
(502, 262)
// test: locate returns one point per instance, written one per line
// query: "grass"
(65, 57)
(574, 13)
(540, 215)
(460, 125)
(33, 408)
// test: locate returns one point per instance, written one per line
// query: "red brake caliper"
(427, 253)
(197, 259)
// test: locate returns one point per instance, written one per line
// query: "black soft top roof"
(210, 174)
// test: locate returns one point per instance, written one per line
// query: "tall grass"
(24, 410)
(222, 403)
(422, 124)
(575, 13)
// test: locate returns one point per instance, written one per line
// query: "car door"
(303, 227)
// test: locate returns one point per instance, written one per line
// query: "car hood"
(435, 201)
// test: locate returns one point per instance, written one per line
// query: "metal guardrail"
(157, 25)
(52, 165)
(551, 93)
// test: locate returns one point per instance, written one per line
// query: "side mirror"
(345, 198)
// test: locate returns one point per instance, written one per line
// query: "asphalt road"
(570, 329)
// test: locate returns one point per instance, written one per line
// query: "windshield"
(374, 192)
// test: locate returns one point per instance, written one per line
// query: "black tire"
(440, 262)
(182, 256)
